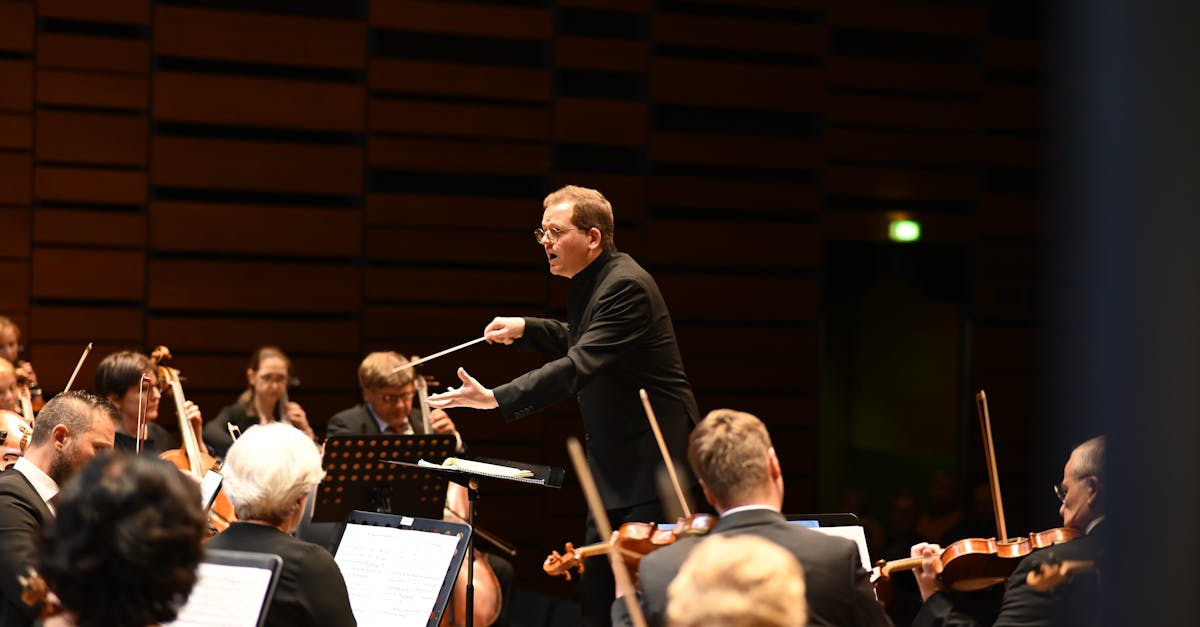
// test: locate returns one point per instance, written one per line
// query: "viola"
(188, 458)
(978, 563)
(633, 541)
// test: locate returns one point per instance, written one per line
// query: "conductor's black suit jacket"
(618, 339)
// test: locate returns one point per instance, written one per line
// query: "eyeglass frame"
(1061, 491)
(554, 232)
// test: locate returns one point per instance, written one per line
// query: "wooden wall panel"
(946, 114)
(456, 286)
(242, 101)
(792, 299)
(16, 170)
(594, 53)
(460, 79)
(99, 138)
(17, 78)
(206, 228)
(463, 18)
(124, 11)
(88, 274)
(258, 37)
(84, 89)
(18, 223)
(97, 228)
(16, 26)
(734, 85)
(88, 52)
(209, 334)
(16, 296)
(253, 286)
(418, 210)
(464, 120)
(724, 244)
(437, 155)
(66, 324)
(733, 150)
(16, 131)
(732, 33)
(600, 122)
(470, 246)
(227, 164)
(116, 187)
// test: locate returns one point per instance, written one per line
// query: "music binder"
(233, 589)
(400, 570)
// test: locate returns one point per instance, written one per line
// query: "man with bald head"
(70, 431)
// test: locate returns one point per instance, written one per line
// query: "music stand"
(544, 476)
(358, 476)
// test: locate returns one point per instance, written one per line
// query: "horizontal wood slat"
(259, 38)
(463, 18)
(101, 138)
(438, 155)
(64, 324)
(242, 336)
(100, 228)
(85, 89)
(16, 131)
(123, 11)
(735, 85)
(17, 78)
(87, 52)
(87, 274)
(763, 196)
(460, 120)
(261, 229)
(16, 296)
(253, 286)
(594, 53)
(460, 79)
(733, 244)
(901, 147)
(16, 26)
(899, 184)
(910, 17)
(16, 170)
(779, 299)
(492, 212)
(433, 245)
(18, 225)
(243, 101)
(455, 286)
(903, 112)
(731, 33)
(116, 187)
(229, 164)
(906, 76)
(734, 150)
(600, 122)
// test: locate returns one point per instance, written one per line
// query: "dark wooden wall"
(339, 177)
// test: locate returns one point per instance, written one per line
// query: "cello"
(188, 458)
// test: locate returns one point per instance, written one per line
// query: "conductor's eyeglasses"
(552, 233)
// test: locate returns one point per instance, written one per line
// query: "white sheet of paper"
(225, 596)
(393, 576)
(854, 533)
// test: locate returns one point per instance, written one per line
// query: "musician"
(1075, 602)
(10, 347)
(9, 396)
(731, 454)
(388, 403)
(126, 543)
(267, 377)
(119, 378)
(270, 472)
(70, 431)
(14, 430)
(618, 339)
(738, 580)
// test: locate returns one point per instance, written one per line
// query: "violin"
(633, 541)
(977, 563)
(188, 458)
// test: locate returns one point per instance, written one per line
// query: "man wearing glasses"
(1075, 601)
(618, 339)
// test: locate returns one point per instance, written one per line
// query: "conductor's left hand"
(471, 394)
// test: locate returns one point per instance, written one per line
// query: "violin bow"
(141, 418)
(605, 528)
(662, 447)
(78, 365)
(989, 450)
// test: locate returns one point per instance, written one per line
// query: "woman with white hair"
(269, 473)
(738, 581)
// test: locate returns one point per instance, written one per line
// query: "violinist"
(70, 431)
(134, 565)
(14, 437)
(9, 395)
(1075, 602)
(732, 456)
(129, 380)
(265, 400)
(10, 347)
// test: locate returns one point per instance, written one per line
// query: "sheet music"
(393, 575)
(225, 596)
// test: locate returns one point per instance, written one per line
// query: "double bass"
(188, 458)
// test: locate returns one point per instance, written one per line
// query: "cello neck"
(186, 434)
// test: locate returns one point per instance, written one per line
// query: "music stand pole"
(472, 496)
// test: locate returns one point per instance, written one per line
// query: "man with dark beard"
(71, 429)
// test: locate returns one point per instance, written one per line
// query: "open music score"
(481, 468)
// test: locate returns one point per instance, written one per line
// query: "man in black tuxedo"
(70, 431)
(732, 456)
(618, 339)
(1073, 602)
